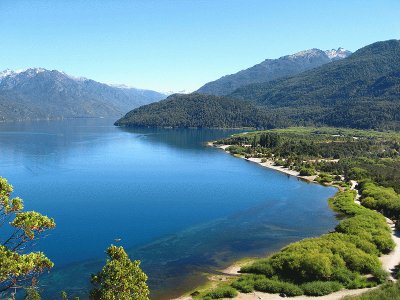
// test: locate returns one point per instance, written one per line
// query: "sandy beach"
(268, 164)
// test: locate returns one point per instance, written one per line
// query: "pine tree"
(120, 278)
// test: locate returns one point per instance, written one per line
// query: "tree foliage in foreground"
(19, 267)
(120, 278)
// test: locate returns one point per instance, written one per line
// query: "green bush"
(370, 226)
(345, 277)
(359, 242)
(320, 288)
(361, 282)
(307, 172)
(221, 292)
(380, 275)
(243, 286)
(325, 178)
(344, 203)
(380, 198)
(274, 286)
(234, 149)
(261, 266)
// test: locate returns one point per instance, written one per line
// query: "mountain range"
(359, 91)
(38, 93)
(271, 69)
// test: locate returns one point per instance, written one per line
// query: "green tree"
(64, 295)
(120, 278)
(18, 268)
(32, 294)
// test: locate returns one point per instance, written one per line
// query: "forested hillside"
(197, 110)
(361, 91)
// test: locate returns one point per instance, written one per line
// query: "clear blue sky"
(181, 44)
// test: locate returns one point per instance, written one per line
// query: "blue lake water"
(180, 207)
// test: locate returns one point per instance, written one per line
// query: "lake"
(179, 206)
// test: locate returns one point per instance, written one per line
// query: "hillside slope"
(197, 110)
(361, 91)
(44, 94)
(271, 69)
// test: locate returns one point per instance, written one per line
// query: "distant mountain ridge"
(359, 91)
(271, 69)
(38, 93)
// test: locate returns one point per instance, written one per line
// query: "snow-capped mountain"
(38, 93)
(271, 69)
(338, 54)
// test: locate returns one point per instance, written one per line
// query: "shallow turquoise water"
(180, 207)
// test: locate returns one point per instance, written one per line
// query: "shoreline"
(268, 164)
(389, 261)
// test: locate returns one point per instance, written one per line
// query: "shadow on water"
(181, 138)
(67, 135)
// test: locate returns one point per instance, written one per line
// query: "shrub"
(370, 226)
(261, 266)
(307, 172)
(369, 202)
(236, 149)
(245, 283)
(243, 286)
(345, 277)
(360, 282)
(221, 292)
(324, 178)
(320, 288)
(291, 289)
(275, 286)
(380, 275)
